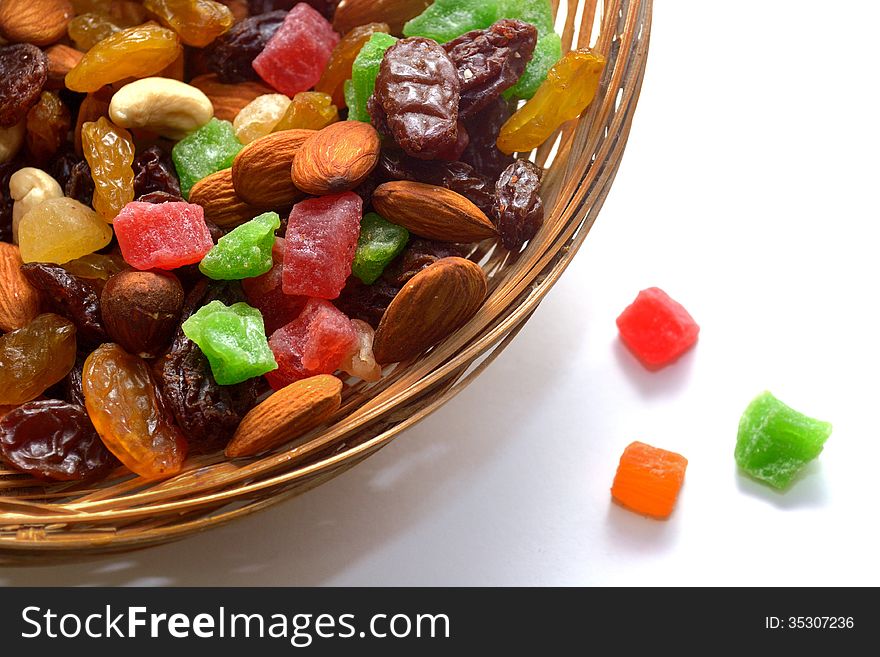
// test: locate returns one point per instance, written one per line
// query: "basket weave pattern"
(42, 523)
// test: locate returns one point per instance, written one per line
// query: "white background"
(749, 193)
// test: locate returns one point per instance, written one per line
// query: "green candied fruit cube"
(537, 12)
(446, 19)
(245, 252)
(548, 51)
(209, 149)
(380, 242)
(233, 340)
(364, 72)
(775, 442)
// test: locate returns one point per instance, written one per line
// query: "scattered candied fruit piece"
(364, 72)
(648, 480)
(137, 52)
(245, 252)
(197, 22)
(123, 403)
(208, 150)
(657, 329)
(568, 90)
(339, 68)
(775, 442)
(59, 230)
(322, 236)
(309, 110)
(298, 52)
(162, 235)
(316, 342)
(109, 150)
(233, 339)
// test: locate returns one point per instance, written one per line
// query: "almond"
(352, 13)
(40, 22)
(229, 99)
(337, 158)
(261, 170)
(61, 59)
(286, 415)
(217, 196)
(435, 213)
(19, 300)
(434, 303)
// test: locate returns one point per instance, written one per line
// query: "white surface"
(748, 192)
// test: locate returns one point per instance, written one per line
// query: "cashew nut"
(167, 107)
(29, 187)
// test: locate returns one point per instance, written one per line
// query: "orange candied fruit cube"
(648, 480)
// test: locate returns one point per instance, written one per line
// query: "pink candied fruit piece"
(314, 343)
(657, 329)
(322, 236)
(162, 235)
(266, 294)
(298, 52)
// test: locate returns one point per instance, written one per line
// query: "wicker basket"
(42, 523)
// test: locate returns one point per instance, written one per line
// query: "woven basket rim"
(129, 513)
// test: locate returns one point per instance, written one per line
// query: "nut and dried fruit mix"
(203, 202)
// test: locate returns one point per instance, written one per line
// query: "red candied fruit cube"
(162, 235)
(322, 237)
(657, 329)
(299, 51)
(316, 342)
(266, 295)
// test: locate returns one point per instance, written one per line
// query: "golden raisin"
(110, 152)
(48, 123)
(137, 52)
(309, 110)
(197, 22)
(87, 30)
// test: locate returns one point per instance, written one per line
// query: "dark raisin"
(6, 200)
(366, 302)
(154, 172)
(73, 383)
(419, 253)
(230, 56)
(80, 185)
(23, 72)
(48, 123)
(490, 61)
(457, 176)
(159, 197)
(62, 164)
(54, 440)
(519, 210)
(73, 297)
(208, 413)
(482, 152)
(416, 98)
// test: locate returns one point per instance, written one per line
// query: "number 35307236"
(809, 622)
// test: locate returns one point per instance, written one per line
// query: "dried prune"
(54, 440)
(48, 123)
(366, 302)
(230, 55)
(154, 172)
(420, 253)
(519, 210)
(416, 98)
(77, 299)
(24, 70)
(490, 61)
(457, 176)
(482, 152)
(207, 412)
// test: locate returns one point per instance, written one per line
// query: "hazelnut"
(141, 310)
